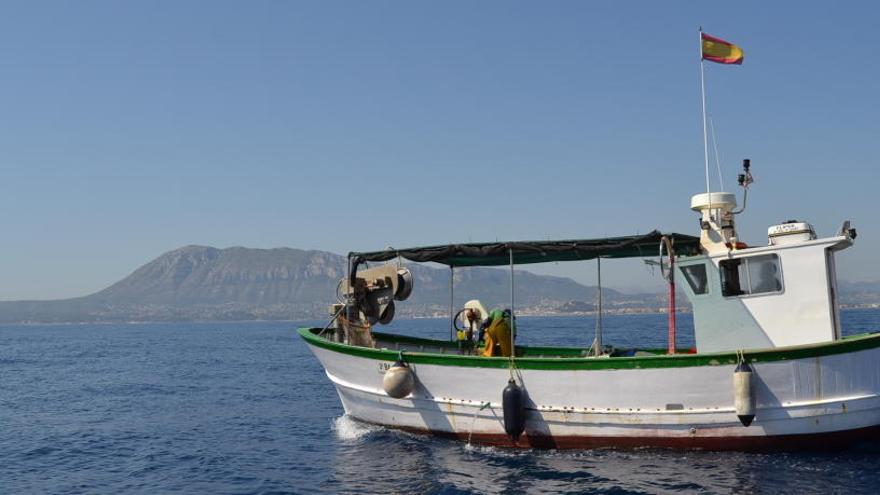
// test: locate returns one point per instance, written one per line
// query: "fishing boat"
(771, 368)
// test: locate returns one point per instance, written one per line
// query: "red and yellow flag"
(720, 51)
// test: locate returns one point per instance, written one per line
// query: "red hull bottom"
(837, 440)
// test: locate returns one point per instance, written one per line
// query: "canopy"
(498, 253)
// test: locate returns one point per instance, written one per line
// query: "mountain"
(198, 275)
(206, 283)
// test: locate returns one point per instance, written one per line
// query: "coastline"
(320, 319)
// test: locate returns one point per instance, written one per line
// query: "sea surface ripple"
(245, 408)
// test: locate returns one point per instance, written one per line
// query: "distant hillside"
(198, 275)
(205, 283)
(859, 294)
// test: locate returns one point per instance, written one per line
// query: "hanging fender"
(744, 393)
(513, 402)
(399, 380)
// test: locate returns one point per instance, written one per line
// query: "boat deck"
(388, 347)
(404, 343)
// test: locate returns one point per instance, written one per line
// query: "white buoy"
(399, 380)
(744, 393)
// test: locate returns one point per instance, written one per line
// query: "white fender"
(744, 394)
(398, 381)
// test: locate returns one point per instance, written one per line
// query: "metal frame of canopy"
(527, 252)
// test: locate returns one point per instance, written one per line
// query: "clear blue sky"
(130, 129)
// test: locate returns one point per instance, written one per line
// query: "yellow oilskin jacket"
(498, 335)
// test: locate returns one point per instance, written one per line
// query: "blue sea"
(244, 408)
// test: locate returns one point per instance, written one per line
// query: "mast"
(705, 132)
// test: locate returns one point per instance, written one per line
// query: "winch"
(369, 294)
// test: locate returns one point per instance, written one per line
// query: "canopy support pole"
(451, 303)
(597, 343)
(512, 324)
(350, 291)
(671, 338)
(666, 244)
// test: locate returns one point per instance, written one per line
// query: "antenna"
(744, 180)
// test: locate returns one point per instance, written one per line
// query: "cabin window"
(752, 275)
(696, 277)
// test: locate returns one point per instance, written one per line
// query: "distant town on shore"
(198, 283)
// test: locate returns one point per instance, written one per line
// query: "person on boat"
(498, 334)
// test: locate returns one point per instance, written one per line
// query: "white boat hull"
(820, 401)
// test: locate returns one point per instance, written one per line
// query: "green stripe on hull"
(847, 345)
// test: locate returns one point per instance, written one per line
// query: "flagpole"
(705, 133)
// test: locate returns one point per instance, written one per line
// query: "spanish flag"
(720, 51)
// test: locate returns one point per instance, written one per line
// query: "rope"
(332, 320)
(474, 420)
(511, 367)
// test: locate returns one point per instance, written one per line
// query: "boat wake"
(470, 447)
(482, 449)
(349, 429)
